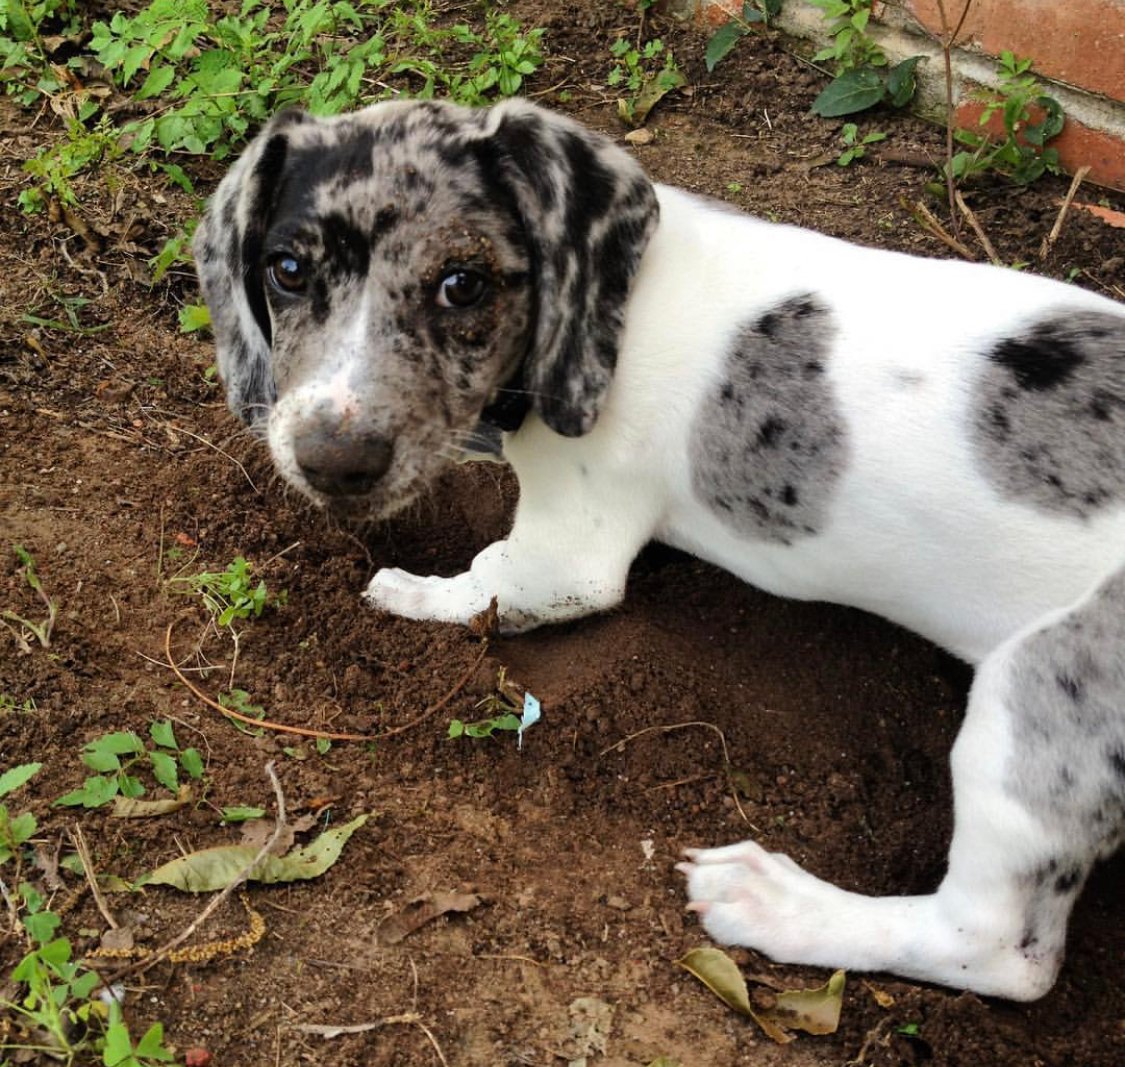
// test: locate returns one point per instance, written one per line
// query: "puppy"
(937, 442)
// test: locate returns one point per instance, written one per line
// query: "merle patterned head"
(378, 280)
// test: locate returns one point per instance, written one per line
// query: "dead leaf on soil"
(118, 940)
(590, 1022)
(215, 868)
(257, 832)
(131, 808)
(816, 1011)
(422, 910)
(882, 997)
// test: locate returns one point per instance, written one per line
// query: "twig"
(947, 40)
(230, 713)
(434, 708)
(78, 839)
(326, 734)
(925, 218)
(619, 745)
(1053, 236)
(211, 444)
(409, 1018)
(978, 229)
(221, 897)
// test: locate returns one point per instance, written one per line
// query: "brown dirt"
(838, 725)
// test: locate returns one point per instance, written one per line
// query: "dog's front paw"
(416, 597)
(763, 900)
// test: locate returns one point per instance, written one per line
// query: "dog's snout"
(340, 460)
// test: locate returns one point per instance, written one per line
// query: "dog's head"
(379, 281)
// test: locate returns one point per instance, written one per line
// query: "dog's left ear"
(588, 210)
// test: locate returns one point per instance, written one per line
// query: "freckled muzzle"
(340, 457)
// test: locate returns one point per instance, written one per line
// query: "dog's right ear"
(228, 259)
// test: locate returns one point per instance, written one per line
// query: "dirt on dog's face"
(398, 300)
(377, 280)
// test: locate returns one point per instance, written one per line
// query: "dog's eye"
(287, 273)
(461, 288)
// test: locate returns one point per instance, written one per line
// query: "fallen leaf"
(256, 832)
(882, 997)
(131, 808)
(590, 1022)
(816, 1011)
(719, 973)
(422, 910)
(215, 868)
(117, 940)
(640, 137)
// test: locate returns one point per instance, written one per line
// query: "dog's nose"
(341, 462)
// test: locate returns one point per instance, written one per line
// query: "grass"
(198, 80)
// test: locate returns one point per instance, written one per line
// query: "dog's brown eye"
(287, 273)
(461, 288)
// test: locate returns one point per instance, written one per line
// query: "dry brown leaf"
(422, 910)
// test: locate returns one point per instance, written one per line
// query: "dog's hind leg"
(1039, 794)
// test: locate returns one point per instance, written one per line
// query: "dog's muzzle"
(340, 457)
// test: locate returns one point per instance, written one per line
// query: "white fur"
(915, 533)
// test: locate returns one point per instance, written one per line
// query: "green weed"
(230, 594)
(855, 147)
(645, 73)
(1022, 153)
(116, 758)
(205, 74)
(754, 13)
(21, 627)
(863, 78)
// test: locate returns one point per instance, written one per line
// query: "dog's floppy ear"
(228, 254)
(588, 210)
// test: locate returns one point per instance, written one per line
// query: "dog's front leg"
(577, 529)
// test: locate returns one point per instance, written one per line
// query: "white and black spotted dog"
(937, 442)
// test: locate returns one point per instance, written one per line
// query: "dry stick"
(947, 40)
(217, 901)
(410, 1018)
(925, 218)
(78, 839)
(619, 745)
(1053, 236)
(972, 220)
(326, 734)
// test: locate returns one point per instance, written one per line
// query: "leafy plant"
(41, 631)
(204, 77)
(239, 700)
(117, 755)
(1022, 153)
(861, 80)
(506, 709)
(15, 830)
(856, 146)
(754, 13)
(231, 594)
(647, 73)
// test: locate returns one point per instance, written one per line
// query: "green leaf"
(163, 734)
(122, 743)
(118, 1048)
(901, 81)
(151, 1046)
(96, 791)
(192, 762)
(12, 779)
(41, 926)
(164, 770)
(215, 868)
(241, 813)
(131, 787)
(720, 44)
(854, 90)
(159, 78)
(21, 828)
(194, 317)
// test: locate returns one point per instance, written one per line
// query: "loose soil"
(114, 446)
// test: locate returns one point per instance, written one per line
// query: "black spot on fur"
(347, 249)
(1070, 686)
(1044, 359)
(769, 445)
